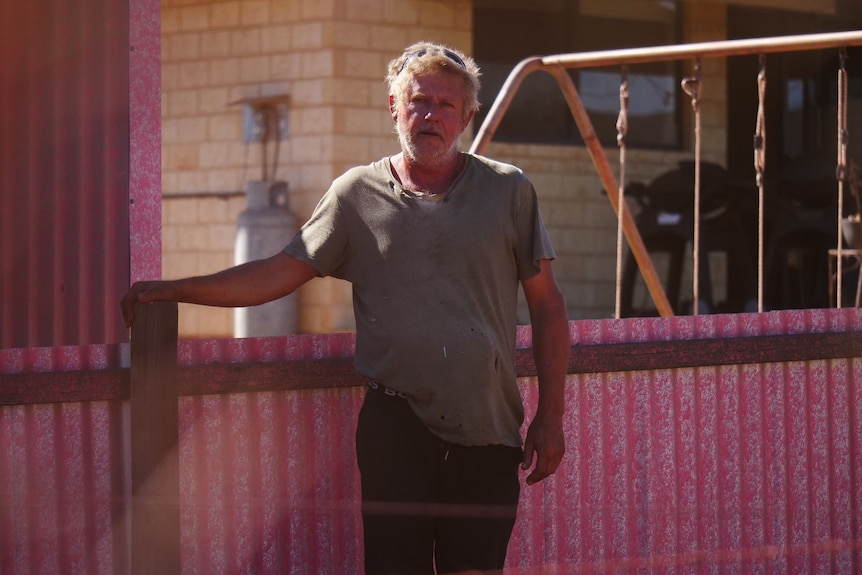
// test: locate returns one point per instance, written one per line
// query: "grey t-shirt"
(435, 287)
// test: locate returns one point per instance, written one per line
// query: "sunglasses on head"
(446, 52)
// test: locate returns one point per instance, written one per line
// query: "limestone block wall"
(198, 235)
(329, 57)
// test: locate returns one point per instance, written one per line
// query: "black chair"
(666, 224)
(801, 223)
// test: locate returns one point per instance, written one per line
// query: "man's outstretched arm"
(249, 284)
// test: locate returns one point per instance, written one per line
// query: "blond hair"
(425, 58)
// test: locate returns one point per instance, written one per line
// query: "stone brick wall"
(198, 236)
(329, 58)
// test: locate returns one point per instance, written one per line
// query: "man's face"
(430, 118)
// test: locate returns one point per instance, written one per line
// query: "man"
(435, 243)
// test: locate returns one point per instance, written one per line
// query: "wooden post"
(155, 441)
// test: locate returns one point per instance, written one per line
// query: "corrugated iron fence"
(732, 463)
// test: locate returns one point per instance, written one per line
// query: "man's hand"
(144, 292)
(546, 444)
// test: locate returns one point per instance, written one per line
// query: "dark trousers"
(427, 503)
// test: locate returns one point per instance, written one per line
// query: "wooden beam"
(154, 441)
(58, 387)
(64, 386)
(648, 356)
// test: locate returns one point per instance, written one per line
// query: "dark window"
(801, 94)
(506, 32)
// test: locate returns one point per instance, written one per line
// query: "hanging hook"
(622, 120)
(841, 167)
(759, 168)
(692, 85)
(843, 135)
(622, 128)
(760, 126)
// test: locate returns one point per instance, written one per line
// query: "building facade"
(325, 61)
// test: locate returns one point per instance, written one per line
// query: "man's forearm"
(249, 284)
(551, 355)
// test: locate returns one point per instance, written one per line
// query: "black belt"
(380, 388)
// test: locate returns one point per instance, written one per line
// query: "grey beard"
(426, 160)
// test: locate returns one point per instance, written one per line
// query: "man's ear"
(392, 108)
(467, 120)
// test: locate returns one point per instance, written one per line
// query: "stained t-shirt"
(435, 286)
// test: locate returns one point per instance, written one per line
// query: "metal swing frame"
(556, 66)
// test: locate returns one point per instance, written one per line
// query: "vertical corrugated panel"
(64, 164)
(262, 349)
(64, 485)
(725, 470)
(70, 358)
(269, 483)
(268, 480)
(63, 491)
(736, 469)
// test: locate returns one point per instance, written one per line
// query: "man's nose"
(431, 111)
